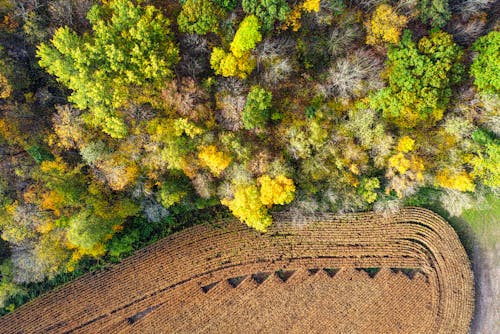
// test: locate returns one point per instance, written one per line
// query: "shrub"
(486, 66)
(257, 108)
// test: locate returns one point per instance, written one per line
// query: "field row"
(144, 284)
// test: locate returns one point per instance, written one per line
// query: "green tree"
(486, 160)
(486, 66)
(268, 11)
(435, 11)
(7, 287)
(131, 46)
(199, 16)
(257, 108)
(228, 5)
(420, 80)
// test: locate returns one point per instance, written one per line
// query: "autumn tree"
(246, 206)
(279, 190)
(251, 201)
(294, 16)
(215, 160)
(199, 16)
(247, 36)
(227, 65)
(239, 62)
(385, 26)
(131, 45)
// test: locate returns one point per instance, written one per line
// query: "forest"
(122, 121)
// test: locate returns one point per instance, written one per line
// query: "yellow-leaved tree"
(247, 206)
(250, 202)
(214, 159)
(385, 26)
(280, 190)
(460, 180)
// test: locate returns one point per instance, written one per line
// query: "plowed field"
(360, 273)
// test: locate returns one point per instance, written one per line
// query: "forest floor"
(483, 227)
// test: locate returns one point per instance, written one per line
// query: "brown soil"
(360, 273)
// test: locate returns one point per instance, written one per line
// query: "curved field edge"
(419, 235)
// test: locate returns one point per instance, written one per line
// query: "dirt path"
(486, 266)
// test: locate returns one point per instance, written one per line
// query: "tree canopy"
(130, 45)
(420, 79)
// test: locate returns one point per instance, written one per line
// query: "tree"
(420, 80)
(367, 189)
(354, 75)
(247, 36)
(268, 11)
(293, 18)
(227, 65)
(228, 5)
(246, 205)
(486, 65)
(385, 26)
(460, 181)
(69, 127)
(311, 5)
(257, 108)
(199, 16)
(130, 46)
(215, 160)
(279, 190)
(455, 202)
(7, 287)
(170, 143)
(435, 11)
(486, 159)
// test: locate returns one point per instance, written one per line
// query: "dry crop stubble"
(358, 273)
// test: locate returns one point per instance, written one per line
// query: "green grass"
(485, 221)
